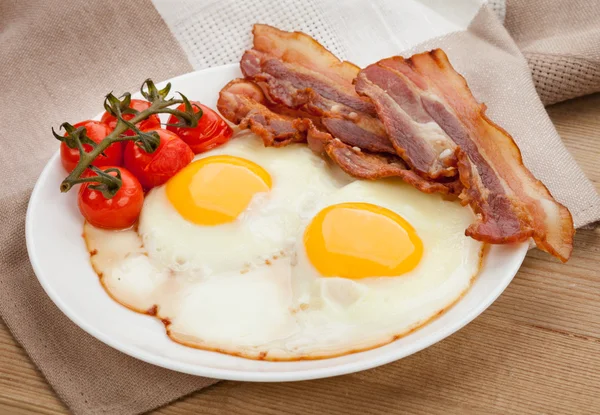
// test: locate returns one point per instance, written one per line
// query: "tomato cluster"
(140, 171)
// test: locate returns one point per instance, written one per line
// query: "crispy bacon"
(288, 83)
(363, 133)
(415, 119)
(413, 133)
(298, 76)
(364, 165)
(354, 127)
(243, 103)
(300, 49)
(512, 205)
(296, 72)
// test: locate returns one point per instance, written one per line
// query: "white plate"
(61, 263)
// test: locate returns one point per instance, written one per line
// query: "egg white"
(361, 313)
(266, 230)
(233, 312)
(281, 308)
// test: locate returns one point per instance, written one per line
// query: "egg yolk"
(358, 240)
(215, 190)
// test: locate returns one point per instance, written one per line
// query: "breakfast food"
(117, 212)
(149, 123)
(154, 169)
(96, 131)
(335, 225)
(512, 205)
(315, 265)
(412, 118)
(92, 152)
(296, 72)
(210, 132)
(234, 207)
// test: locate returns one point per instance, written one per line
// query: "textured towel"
(561, 42)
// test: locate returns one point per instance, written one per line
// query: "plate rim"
(253, 376)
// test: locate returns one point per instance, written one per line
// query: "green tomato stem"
(86, 158)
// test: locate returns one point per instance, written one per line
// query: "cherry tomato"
(212, 130)
(119, 212)
(154, 169)
(95, 130)
(139, 105)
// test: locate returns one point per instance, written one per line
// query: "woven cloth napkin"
(58, 59)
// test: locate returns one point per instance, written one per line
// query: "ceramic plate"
(61, 263)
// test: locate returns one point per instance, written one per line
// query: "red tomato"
(151, 122)
(212, 130)
(119, 212)
(95, 130)
(154, 169)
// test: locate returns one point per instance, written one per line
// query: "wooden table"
(535, 350)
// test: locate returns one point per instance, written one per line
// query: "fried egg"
(270, 254)
(378, 260)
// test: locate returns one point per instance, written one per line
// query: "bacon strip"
(363, 165)
(512, 205)
(288, 82)
(296, 72)
(243, 103)
(354, 127)
(301, 49)
(413, 133)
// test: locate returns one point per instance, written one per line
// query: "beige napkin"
(561, 41)
(57, 59)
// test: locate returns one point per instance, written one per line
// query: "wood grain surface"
(536, 350)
